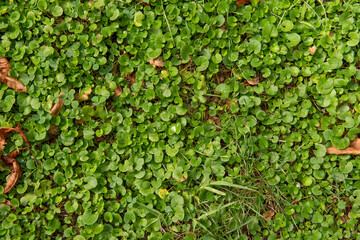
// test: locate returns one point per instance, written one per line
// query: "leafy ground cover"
(169, 119)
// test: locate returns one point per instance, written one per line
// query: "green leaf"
(42, 5)
(59, 178)
(89, 218)
(171, 151)
(294, 39)
(91, 182)
(269, 31)
(57, 11)
(287, 25)
(202, 63)
(354, 39)
(317, 217)
(254, 46)
(138, 18)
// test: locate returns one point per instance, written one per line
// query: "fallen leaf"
(85, 95)
(53, 130)
(118, 91)
(3, 135)
(57, 106)
(312, 50)
(9, 81)
(157, 62)
(268, 215)
(15, 172)
(254, 82)
(7, 202)
(182, 179)
(130, 77)
(10, 161)
(242, 2)
(353, 149)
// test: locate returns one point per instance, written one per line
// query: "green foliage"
(192, 147)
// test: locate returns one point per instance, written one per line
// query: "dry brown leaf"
(3, 135)
(268, 215)
(183, 179)
(143, 3)
(53, 130)
(242, 2)
(353, 149)
(57, 107)
(312, 50)
(9, 81)
(118, 91)
(254, 82)
(15, 172)
(85, 95)
(157, 62)
(130, 77)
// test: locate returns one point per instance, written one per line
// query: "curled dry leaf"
(55, 110)
(254, 82)
(157, 62)
(118, 91)
(353, 149)
(10, 161)
(15, 172)
(9, 81)
(312, 50)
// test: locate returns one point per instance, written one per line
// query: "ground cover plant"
(174, 119)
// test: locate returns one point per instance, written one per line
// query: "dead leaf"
(353, 149)
(57, 106)
(9, 81)
(118, 91)
(312, 50)
(268, 215)
(53, 130)
(15, 172)
(10, 161)
(242, 2)
(182, 179)
(85, 95)
(254, 82)
(130, 77)
(143, 3)
(157, 62)
(7, 202)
